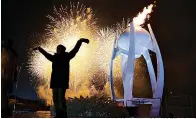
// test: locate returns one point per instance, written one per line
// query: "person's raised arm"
(73, 52)
(47, 55)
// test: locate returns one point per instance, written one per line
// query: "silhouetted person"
(60, 74)
(8, 74)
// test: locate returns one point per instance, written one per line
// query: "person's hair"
(61, 47)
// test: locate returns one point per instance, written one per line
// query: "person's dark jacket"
(60, 66)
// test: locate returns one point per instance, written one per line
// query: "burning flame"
(140, 19)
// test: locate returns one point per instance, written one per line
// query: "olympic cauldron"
(134, 42)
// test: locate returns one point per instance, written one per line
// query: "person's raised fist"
(84, 40)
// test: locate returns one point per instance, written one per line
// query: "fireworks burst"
(67, 25)
(123, 25)
(105, 39)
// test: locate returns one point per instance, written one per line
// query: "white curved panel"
(142, 40)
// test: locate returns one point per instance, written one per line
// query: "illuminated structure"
(132, 43)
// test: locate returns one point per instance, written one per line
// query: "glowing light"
(140, 19)
(67, 25)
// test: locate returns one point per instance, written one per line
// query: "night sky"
(172, 22)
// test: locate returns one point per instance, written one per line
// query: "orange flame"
(140, 19)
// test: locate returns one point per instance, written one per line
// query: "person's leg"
(63, 102)
(4, 103)
(55, 93)
(5, 111)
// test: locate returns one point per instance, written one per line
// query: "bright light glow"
(141, 17)
(67, 25)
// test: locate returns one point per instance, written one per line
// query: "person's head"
(60, 49)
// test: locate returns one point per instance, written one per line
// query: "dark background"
(173, 22)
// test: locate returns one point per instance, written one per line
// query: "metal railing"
(141, 101)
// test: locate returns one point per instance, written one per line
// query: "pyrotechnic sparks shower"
(67, 25)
